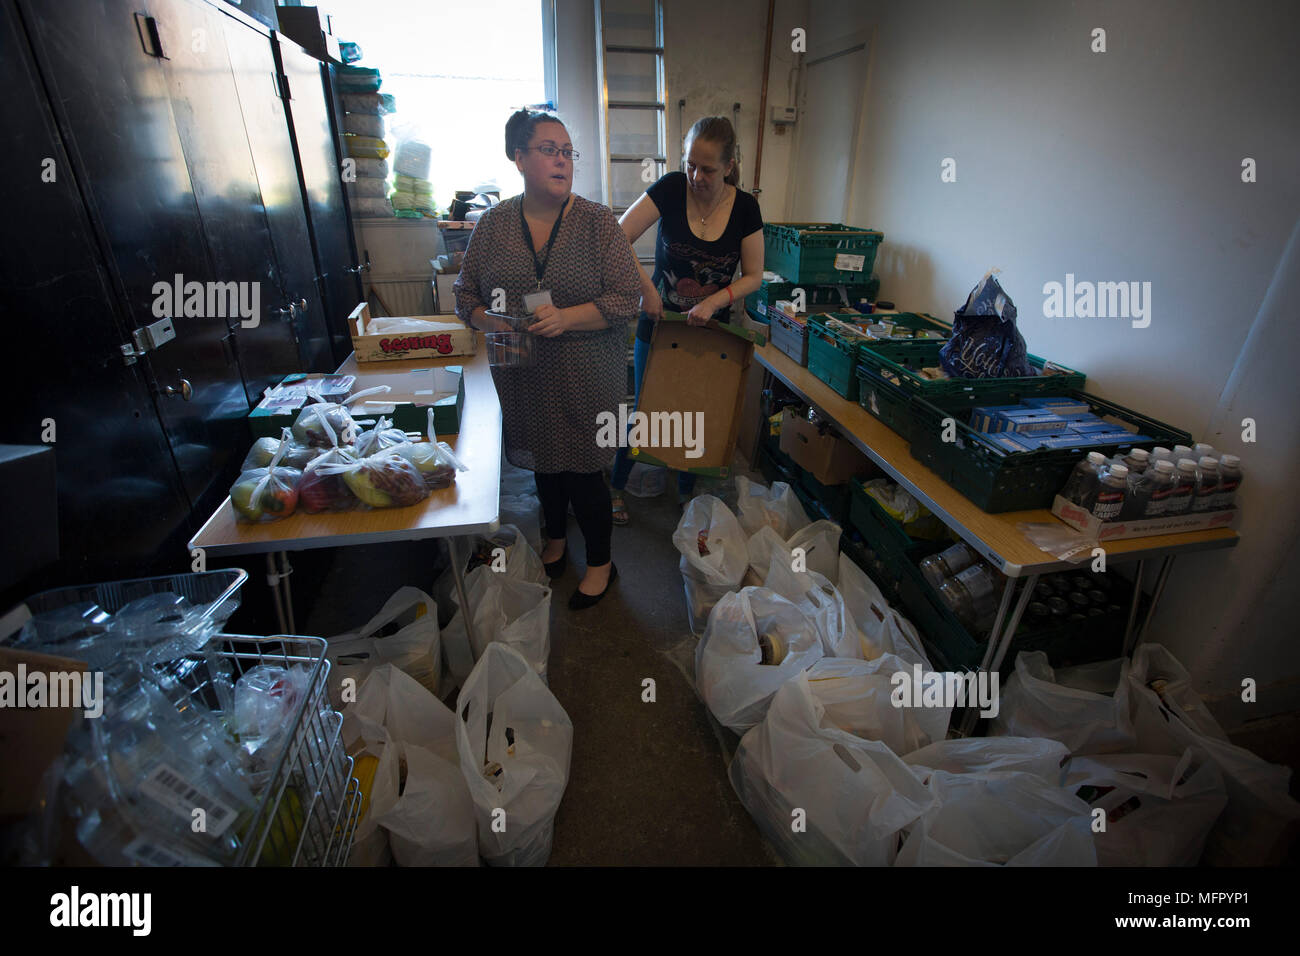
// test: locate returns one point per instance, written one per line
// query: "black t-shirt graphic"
(689, 269)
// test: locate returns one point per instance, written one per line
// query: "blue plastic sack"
(985, 342)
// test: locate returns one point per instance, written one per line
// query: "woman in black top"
(707, 229)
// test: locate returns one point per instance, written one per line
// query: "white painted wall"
(713, 57)
(1122, 165)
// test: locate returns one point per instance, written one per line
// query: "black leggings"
(590, 496)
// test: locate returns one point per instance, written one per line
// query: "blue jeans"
(622, 463)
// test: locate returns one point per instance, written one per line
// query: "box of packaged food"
(407, 337)
(1089, 524)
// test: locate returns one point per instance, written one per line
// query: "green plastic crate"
(819, 252)
(948, 642)
(885, 401)
(833, 499)
(900, 363)
(769, 293)
(833, 357)
(998, 481)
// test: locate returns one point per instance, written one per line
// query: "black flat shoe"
(555, 568)
(579, 601)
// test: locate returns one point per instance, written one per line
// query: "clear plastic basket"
(511, 349)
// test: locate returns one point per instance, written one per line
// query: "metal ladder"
(630, 36)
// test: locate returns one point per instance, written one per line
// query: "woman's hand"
(549, 321)
(701, 312)
(652, 304)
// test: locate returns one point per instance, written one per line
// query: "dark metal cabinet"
(121, 504)
(253, 65)
(111, 96)
(312, 114)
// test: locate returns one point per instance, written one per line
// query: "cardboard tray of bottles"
(1080, 519)
(892, 561)
(997, 480)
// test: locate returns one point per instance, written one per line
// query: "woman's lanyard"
(539, 263)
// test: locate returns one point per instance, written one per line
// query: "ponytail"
(520, 127)
(718, 129)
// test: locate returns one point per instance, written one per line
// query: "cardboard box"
(1065, 407)
(443, 295)
(407, 404)
(444, 337)
(828, 458)
(30, 738)
(1081, 520)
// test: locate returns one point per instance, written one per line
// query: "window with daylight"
(457, 71)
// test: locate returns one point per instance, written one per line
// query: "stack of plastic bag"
(818, 544)
(514, 741)
(414, 647)
(814, 775)
(413, 193)
(820, 601)
(363, 119)
(776, 507)
(755, 641)
(418, 810)
(713, 556)
(881, 629)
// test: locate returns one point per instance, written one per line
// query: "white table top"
(469, 506)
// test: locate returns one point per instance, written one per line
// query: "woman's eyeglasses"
(553, 151)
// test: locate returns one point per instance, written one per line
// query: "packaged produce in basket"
(514, 741)
(1085, 707)
(266, 494)
(1159, 809)
(1023, 821)
(755, 640)
(422, 806)
(403, 633)
(1261, 818)
(267, 698)
(857, 795)
(775, 507)
(985, 342)
(326, 424)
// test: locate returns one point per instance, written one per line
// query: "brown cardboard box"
(446, 336)
(30, 738)
(828, 458)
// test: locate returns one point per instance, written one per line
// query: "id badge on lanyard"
(535, 300)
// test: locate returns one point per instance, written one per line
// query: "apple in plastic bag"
(424, 456)
(307, 428)
(319, 492)
(278, 499)
(295, 455)
(387, 480)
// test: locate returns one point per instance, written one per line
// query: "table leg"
(285, 571)
(458, 559)
(273, 581)
(1127, 647)
(762, 419)
(1005, 643)
(1000, 640)
(1161, 578)
(997, 623)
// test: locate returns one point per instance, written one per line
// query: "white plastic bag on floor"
(1037, 755)
(514, 741)
(646, 481)
(729, 672)
(524, 511)
(820, 602)
(882, 629)
(990, 819)
(708, 525)
(857, 697)
(1261, 817)
(403, 633)
(777, 507)
(820, 542)
(420, 798)
(855, 794)
(505, 609)
(362, 737)
(1159, 809)
(1070, 705)
(516, 481)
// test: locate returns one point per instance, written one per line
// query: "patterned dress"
(549, 411)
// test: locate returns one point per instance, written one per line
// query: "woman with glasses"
(564, 261)
(707, 230)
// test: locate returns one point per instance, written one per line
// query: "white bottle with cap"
(1201, 450)
(1181, 452)
(1229, 481)
(1206, 494)
(1160, 453)
(1154, 488)
(1179, 501)
(1136, 461)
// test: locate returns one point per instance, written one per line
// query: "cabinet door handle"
(185, 390)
